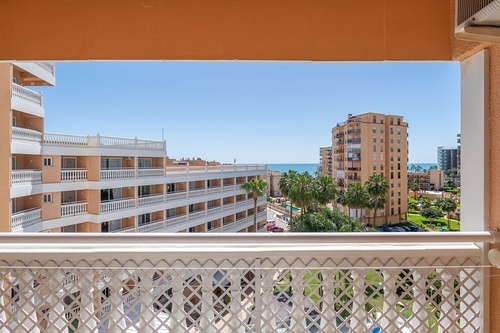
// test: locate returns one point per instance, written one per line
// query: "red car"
(275, 228)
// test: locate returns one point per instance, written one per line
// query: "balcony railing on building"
(73, 175)
(99, 141)
(73, 208)
(121, 173)
(26, 94)
(117, 204)
(284, 283)
(26, 177)
(26, 218)
(26, 135)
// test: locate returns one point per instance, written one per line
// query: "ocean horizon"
(312, 167)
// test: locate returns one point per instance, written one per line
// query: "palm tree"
(301, 191)
(377, 187)
(355, 197)
(285, 184)
(448, 205)
(324, 189)
(256, 187)
(415, 187)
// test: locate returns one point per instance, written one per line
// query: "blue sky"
(255, 112)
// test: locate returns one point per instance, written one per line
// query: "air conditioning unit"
(478, 20)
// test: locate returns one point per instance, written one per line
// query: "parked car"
(275, 228)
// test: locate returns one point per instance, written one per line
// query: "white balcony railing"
(176, 220)
(176, 195)
(158, 172)
(214, 210)
(26, 218)
(99, 141)
(150, 200)
(196, 193)
(119, 204)
(357, 283)
(26, 94)
(214, 168)
(215, 189)
(196, 215)
(23, 177)
(156, 226)
(227, 188)
(73, 175)
(24, 134)
(73, 208)
(118, 173)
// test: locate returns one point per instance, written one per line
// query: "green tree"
(377, 187)
(324, 189)
(431, 213)
(256, 187)
(448, 205)
(433, 167)
(453, 174)
(285, 184)
(355, 197)
(425, 202)
(327, 220)
(415, 187)
(301, 191)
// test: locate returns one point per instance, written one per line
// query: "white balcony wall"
(26, 100)
(23, 177)
(73, 175)
(75, 208)
(27, 220)
(42, 69)
(244, 283)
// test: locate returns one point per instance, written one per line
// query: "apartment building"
(273, 183)
(429, 180)
(325, 160)
(373, 143)
(71, 183)
(447, 158)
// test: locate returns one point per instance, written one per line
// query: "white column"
(57, 320)
(87, 322)
(475, 180)
(419, 320)
(297, 320)
(27, 317)
(207, 301)
(388, 321)
(266, 309)
(448, 318)
(328, 317)
(117, 321)
(358, 319)
(177, 317)
(147, 322)
(236, 305)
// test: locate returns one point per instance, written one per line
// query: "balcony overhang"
(335, 30)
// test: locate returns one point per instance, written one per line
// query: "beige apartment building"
(429, 180)
(373, 143)
(273, 183)
(325, 160)
(71, 183)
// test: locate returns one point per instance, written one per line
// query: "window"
(399, 141)
(47, 198)
(209, 225)
(382, 140)
(381, 149)
(381, 157)
(381, 167)
(391, 121)
(399, 166)
(381, 130)
(374, 167)
(47, 161)
(381, 120)
(392, 185)
(391, 131)
(392, 193)
(399, 121)
(374, 148)
(399, 132)
(192, 229)
(374, 139)
(392, 211)
(392, 175)
(14, 122)
(399, 175)
(399, 201)
(399, 210)
(399, 184)
(374, 129)
(374, 157)
(374, 119)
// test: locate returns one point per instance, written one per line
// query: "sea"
(312, 167)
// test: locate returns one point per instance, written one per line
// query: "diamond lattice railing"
(209, 284)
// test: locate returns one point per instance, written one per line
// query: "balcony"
(151, 200)
(24, 219)
(26, 177)
(26, 135)
(122, 173)
(118, 204)
(73, 208)
(179, 195)
(73, 175)
(27, 100)
(99, 141)
(214, 168)
(155, 226)
(280, 283)
(153, 172)
(43, 72)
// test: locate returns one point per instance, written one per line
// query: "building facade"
(447, 158)
(273, 180)
(71, 183)
(430, 180)
(325, 161)
(373, 143)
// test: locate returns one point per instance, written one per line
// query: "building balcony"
(336, 282)
(73, 208)
(25, 220)
(26, 100)
(151, 200)
(122, 173)
(25, 135)
(26, 177)
(41, 72)
(179, 195)
(152, 172)
(99, 141)
(155, 226)
(118, 204)
(73, 175)
(214, 168)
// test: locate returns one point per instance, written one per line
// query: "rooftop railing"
(263, 282)
(99, 141)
